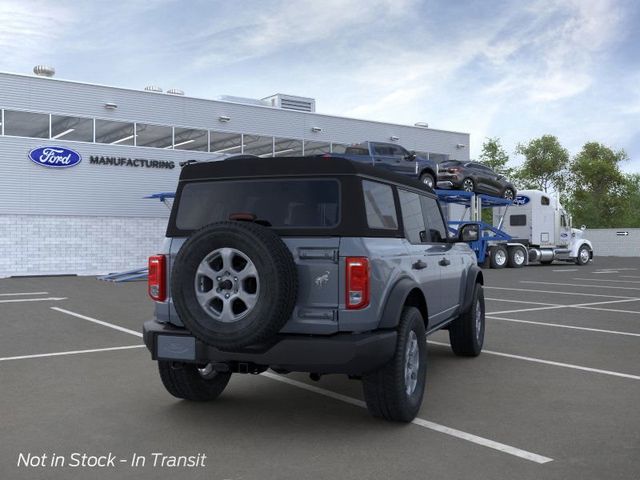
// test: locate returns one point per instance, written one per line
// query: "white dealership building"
(76, 160)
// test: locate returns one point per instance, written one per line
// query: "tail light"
(157, 280)
(357, 282)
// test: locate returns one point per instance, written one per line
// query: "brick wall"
(83, 245)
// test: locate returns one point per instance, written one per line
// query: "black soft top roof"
(252, 167)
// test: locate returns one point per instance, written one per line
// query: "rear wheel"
(466, 333)
(428, 180)
(498, 256)
(517, 257)
(191, 382)
(395, 391)
(468, 185)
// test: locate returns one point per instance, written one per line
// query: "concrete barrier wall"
(617, 242)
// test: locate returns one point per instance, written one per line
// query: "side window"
(563, 221)
(380, 205)
(433, 220)
(544, 201)
(412, 217)
(398, 151)
(517, 220)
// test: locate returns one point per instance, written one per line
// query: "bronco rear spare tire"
(234, 284)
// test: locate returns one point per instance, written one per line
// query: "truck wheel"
(466, 333)
(186, 380)
(517, 257)
(428, 180)
(468, 185)
(498, 256)
(234, 284)
(584, 255)
(395, 391)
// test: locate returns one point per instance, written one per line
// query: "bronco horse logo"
(322, 279)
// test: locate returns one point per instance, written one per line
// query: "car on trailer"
(474, 177)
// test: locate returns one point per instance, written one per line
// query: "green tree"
(495, 157)
(599, 192)
(545, 164)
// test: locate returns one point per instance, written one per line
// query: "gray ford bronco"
(318, 265)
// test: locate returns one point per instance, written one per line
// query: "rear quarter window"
(379, 205)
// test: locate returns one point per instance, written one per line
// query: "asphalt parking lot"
(555, 394)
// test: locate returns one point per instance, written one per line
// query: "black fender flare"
(474, 275)
(430, 171)
(396, 300)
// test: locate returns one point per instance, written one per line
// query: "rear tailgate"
(316, 311)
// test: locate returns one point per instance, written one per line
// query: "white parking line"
(485, 442)
(580, 285)
(99, 322)
(576, 305)
(629, 276)
(20, 300)
(23, 293)
(527, 290)
(518, 301)
(602, 279)
(549, 362)
(566, 270)
(572, 327)
(71, 352)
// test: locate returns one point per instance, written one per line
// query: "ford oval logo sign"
(521, 200)
(55, 157)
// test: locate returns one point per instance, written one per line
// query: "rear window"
(288, 203)
(356, 151)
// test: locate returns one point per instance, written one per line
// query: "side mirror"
(411, 156)
(469, 232)
(583, 227)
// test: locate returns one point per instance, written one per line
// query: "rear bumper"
(352, 354)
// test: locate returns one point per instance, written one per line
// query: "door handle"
(444, 261)
(419, 265)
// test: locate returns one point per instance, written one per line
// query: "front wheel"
(584, 255)
(508, 193)
(188, 381)
(466, 333)
(395, 391)
(428, 180)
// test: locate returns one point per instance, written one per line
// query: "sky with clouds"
(509, 69)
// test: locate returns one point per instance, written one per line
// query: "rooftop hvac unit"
(44, 71)
(290, 102)
(175, 91)
(153, 88)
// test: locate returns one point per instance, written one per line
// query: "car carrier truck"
(533, 228)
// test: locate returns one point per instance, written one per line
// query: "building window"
(257, 145)
(379, 205)
(226, 143)
(287, 147)
(338, 148)
(191, 139)
(316, 148)
(26, 124)
(157, 136)
(71, 128)
(115, 133)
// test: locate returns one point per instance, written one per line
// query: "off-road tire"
(183, 380)
(278, 284)
(466, 333)
(385, 389)
(498, 256)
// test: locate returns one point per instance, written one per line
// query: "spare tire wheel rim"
(227, 285)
